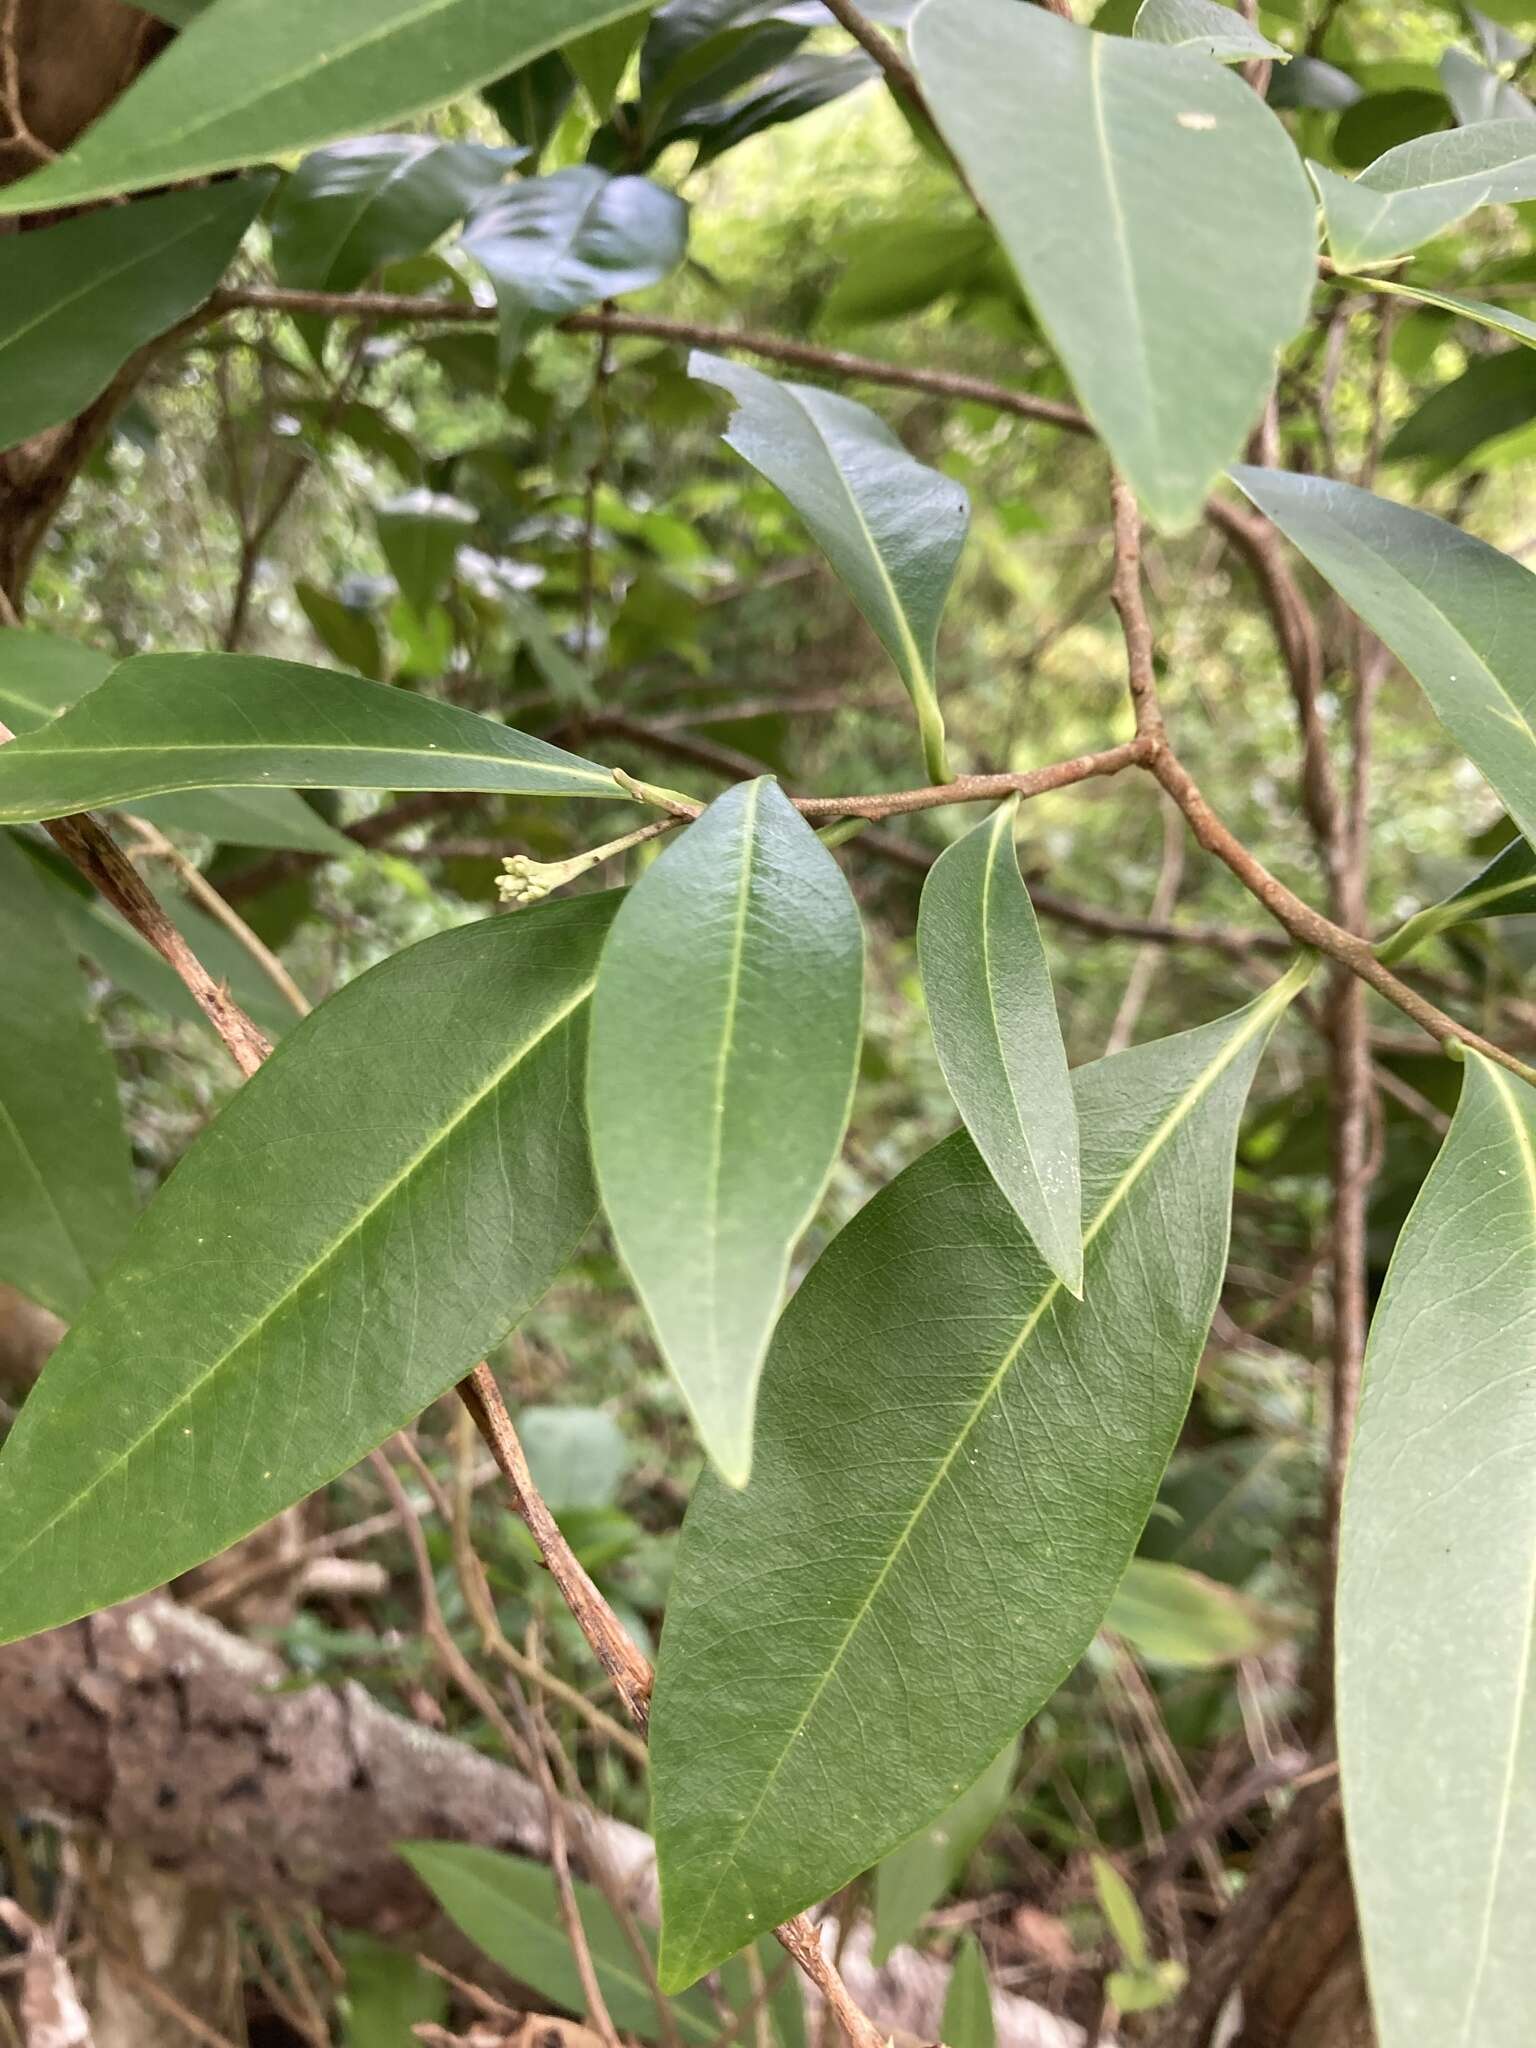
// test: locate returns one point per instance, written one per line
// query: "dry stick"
(629, 1670)
(92, 849)
(197, 885)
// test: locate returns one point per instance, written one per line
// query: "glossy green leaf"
(43, 674)
(1506, 887)
(1495, 394)
(373, 1210)
(1206, 26)
(1178, 253)
(912, 1880)
(345, 630)
(891, 527)
(993, 1012)
(1458, 614)
(1171, 1615)
(1437, 1725)
(725, 1035)
(809, 80)
(194, 721)
(79, 298)
(552, 245)
(954, 1462)
(600, 58)
(967, 2021)
(348, 210)
(66, 1187)
(252, 79)
(508, 1908)
(1423, 186)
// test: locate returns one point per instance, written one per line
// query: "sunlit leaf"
(891, 527)
(1437, 1728)
(993, 1011)
(1458, 614)
(373, 1210)
(954, 1461)
(1423, 186)
(1176, 255)
(195, 721)
(1171, 1615)
(253, 79)
(725, 1032)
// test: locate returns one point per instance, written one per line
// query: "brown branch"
(629, 1670)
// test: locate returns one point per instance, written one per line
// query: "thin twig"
(198, 886)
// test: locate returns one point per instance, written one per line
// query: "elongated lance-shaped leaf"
(551, 245)
(66, 1186)
(42, 674)
(913, 1878)
(725, 1036)
(1499, 318)
(1506, 887)
(77, 299)
(954, 1461)
(1459, 615)
(510, 1910)
(193, 721)
(253, 79)
(993, 1011)
(1437, 1713)
(1177, 255)
(891, 527)
(1207, 26)
(1423, 186)
(967, 2021)
(373, 1210)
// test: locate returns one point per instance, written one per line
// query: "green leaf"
(252, 79)
(601, 57)
(912, 1879)
(891, 527)
(78, 299)
(387, 1993)
(508, 1908)
(967, 2021)
(345, 630)
(954, 1462)
(1437, 1734)
(1493, 395)
(1206, 26)
(373, 1210)
(1121, 1913)
(349, 210)
(578, 1456)
(725, 1036)
(42, 674)
(192, 721)
(889, 270)
(1171, 1615)
(1478, 94)
(530, 103)
(97, 933)
(1423, 186)
(552, 245)
(993, 1012)
(1458, 614)
(421, 533)
(807, 81)
(1499, 318)
(1177, 254)
(66, 1185)
(1506, 887)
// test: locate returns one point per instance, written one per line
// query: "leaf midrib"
(359, 1222)
(51, 743)
(1268, 1006)
(716, 1156)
